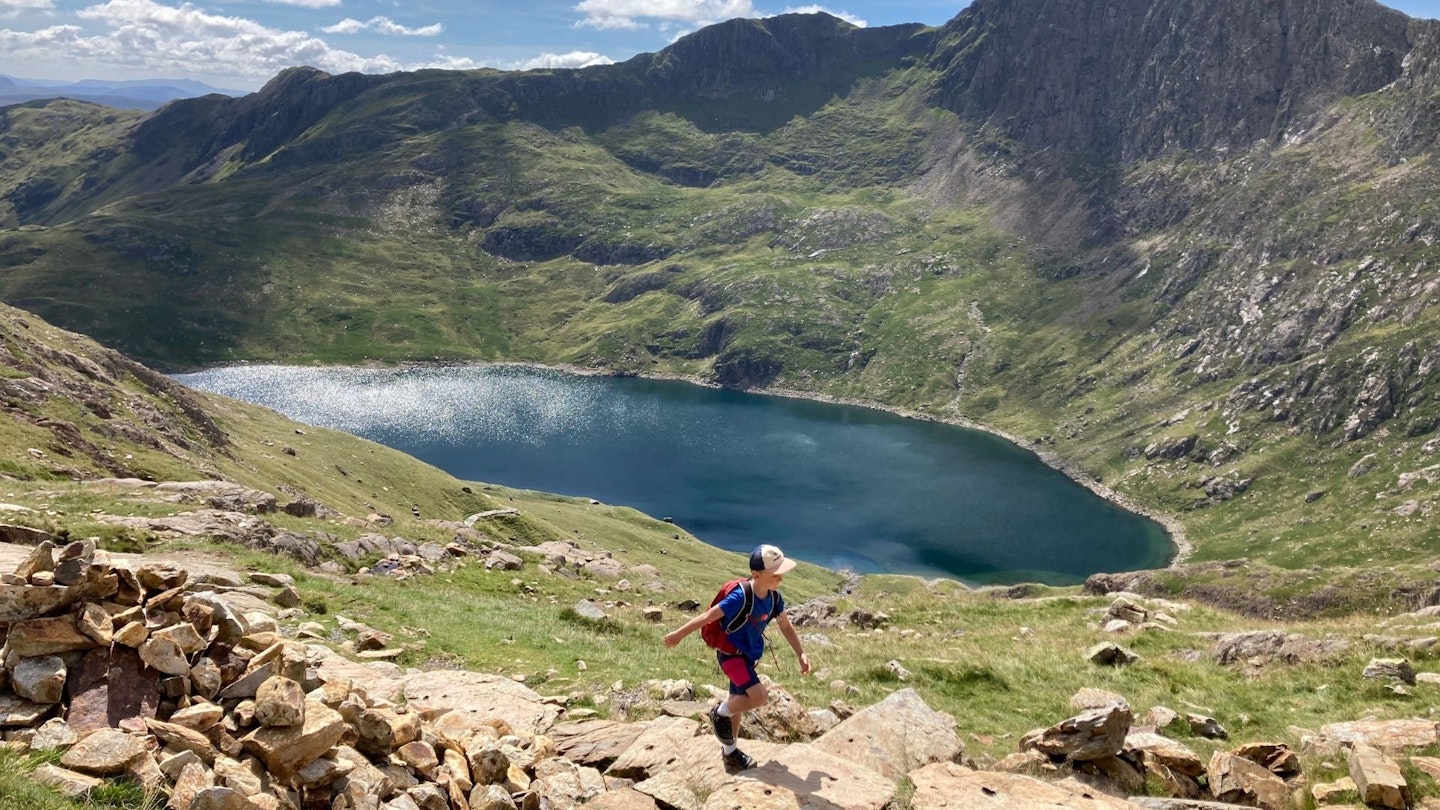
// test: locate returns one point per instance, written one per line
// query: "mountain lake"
(837, 485)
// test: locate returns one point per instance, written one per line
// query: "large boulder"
(41, 679)
(1378, 779)
(781, 719)
(895, 736)
(1155, 750)
(1092, 734)
(286, 749)
(1237, 780)
(280, 702)
(1261, 647)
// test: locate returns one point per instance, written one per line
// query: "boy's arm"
(674, 637)
(788, 631)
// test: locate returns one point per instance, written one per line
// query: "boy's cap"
(770, 559)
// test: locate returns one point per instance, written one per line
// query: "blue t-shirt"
(750, 639)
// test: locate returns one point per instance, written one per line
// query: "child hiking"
(735, 626)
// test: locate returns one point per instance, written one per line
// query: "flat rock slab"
(104, 753)
(21, 602)
(804, 777)
(1387, 735)
(688, 773)
(484, 696)
(71, 785)
(1156, 803)
(18, 712)
(332, 666)
(244, 602)
(692, 771)
(594, 742)
(622, 799)
(657, 747)
(747, 795)
(947, 786)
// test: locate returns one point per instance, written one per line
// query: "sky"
(239, 44)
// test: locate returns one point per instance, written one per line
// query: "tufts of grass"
(19, 788)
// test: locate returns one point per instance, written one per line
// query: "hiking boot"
(737, 761)
(724, 729)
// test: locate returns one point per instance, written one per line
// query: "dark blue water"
(835, 485)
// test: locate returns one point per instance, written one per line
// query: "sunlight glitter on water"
(453, 404)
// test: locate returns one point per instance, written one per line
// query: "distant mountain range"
(141, 94)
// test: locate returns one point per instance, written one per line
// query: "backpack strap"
(746, 608)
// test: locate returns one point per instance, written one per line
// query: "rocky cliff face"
(1115, 82)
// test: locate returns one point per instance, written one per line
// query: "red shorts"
(741, 672)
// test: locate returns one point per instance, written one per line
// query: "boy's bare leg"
(755, 698)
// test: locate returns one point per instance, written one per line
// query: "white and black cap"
(770, 559)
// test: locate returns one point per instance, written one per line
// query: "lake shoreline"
(1180, 545)
(1172, 526)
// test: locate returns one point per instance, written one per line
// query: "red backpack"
(714, 633)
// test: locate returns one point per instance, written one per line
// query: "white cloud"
(634, 13)
(306, 3)
(142, 35)
(345, 26)
(573, 59)
(383, 25)
(7, 5)
(844, 15)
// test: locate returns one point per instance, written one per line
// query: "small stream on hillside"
(837, 485)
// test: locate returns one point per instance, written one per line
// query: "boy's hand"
(673, 638)
(804, 664)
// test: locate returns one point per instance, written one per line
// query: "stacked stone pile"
(144, 674)
(191, 689)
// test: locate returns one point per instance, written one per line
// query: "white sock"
(729, 749)
(724, 710)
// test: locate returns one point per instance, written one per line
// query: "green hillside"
(1216, 303)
